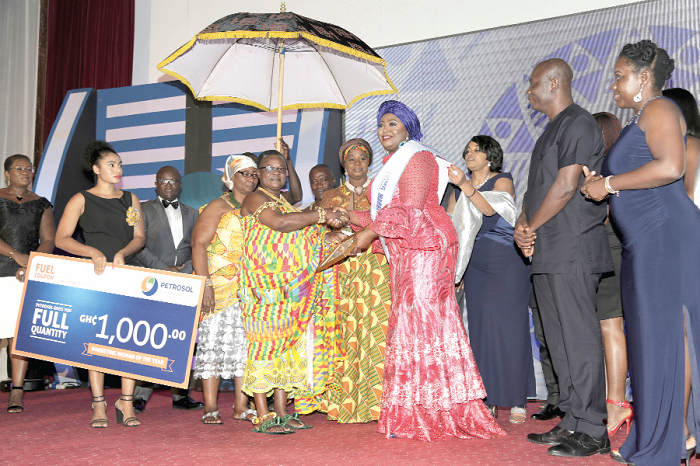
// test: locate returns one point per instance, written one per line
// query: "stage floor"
(55, 429)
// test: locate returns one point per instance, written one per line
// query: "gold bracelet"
(321, 215)
(608, 188)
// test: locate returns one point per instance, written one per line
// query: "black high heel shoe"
(16, 409)
(689, 452)
(100, 423)
(120, 413)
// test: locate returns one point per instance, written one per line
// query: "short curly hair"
(491, 148)
(13, 158)
(645, 54)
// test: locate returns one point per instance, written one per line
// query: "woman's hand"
(352, 218)
(456, 175)
(364, 239)
(334, 237)
(21, 259)
(20, 274)
(591, 187)
(208, 301)
(118, 259)
(336, 218)
(100, 262)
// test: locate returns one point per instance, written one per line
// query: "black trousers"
(550, 378)
(567, 305)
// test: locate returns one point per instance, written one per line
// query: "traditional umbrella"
(241, 58)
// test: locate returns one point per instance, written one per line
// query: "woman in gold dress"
(355, 389)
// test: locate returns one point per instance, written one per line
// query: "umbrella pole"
(279, 98)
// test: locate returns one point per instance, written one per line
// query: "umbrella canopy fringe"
(279, 35)
(174, 55)
(368, 94)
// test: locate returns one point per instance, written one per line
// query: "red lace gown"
(432, 387)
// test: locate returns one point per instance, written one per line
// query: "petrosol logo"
(149, 286)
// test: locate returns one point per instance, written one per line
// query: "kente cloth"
(432, 388)
(289, 311)
(223, 253)
(355, 387)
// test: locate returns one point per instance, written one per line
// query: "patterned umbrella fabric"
(237, 59)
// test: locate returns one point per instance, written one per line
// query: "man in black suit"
(168, 225)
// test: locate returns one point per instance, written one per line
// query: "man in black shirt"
(565, 237)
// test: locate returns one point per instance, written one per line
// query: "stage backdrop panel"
(475, 83)
(154, 125)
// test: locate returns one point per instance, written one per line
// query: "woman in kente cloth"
(290, 317)
(432, 389)
(355, 388)
(217, 243)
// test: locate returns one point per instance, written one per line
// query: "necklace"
(19, 197)
(480, 185)
(635, 118)
(233, 200)
(357, 189)
(279, 200)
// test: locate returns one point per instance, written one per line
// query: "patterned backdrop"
(475, 83)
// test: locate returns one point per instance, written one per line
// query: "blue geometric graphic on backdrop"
(564, 53)
(522, 142)
(475, 41)
(431, 72)
(588, 85)
(671, 38)
(397, 56)
(507, 106)
(600, 45)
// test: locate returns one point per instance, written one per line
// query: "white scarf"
(467, 220)
(384, 184)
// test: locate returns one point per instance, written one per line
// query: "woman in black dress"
(111, 222)
(26, 225)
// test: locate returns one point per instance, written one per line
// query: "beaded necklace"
(233, 201)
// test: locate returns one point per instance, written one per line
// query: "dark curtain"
(90, 44)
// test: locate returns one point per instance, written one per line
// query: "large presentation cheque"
(129, 321)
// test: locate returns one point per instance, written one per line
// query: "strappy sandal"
(120, 413)
(295, 417)
(244, 415)
(213, 414)
(263, 425)
(518, 414)
(101, 423)
(16, 409)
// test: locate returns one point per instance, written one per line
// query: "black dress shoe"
(187, 403)
(579, 444)
(554, 437)
(547, 413)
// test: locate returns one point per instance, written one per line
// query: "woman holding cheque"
(111, 222)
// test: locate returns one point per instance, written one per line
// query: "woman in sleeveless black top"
(113, 231)
(26, 225)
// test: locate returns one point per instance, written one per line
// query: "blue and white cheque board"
(129, 321)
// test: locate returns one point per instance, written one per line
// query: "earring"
(489, 164)
(638, 98)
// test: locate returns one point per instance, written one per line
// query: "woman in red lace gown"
(432, 387)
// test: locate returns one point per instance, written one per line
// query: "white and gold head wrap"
(234, 164)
